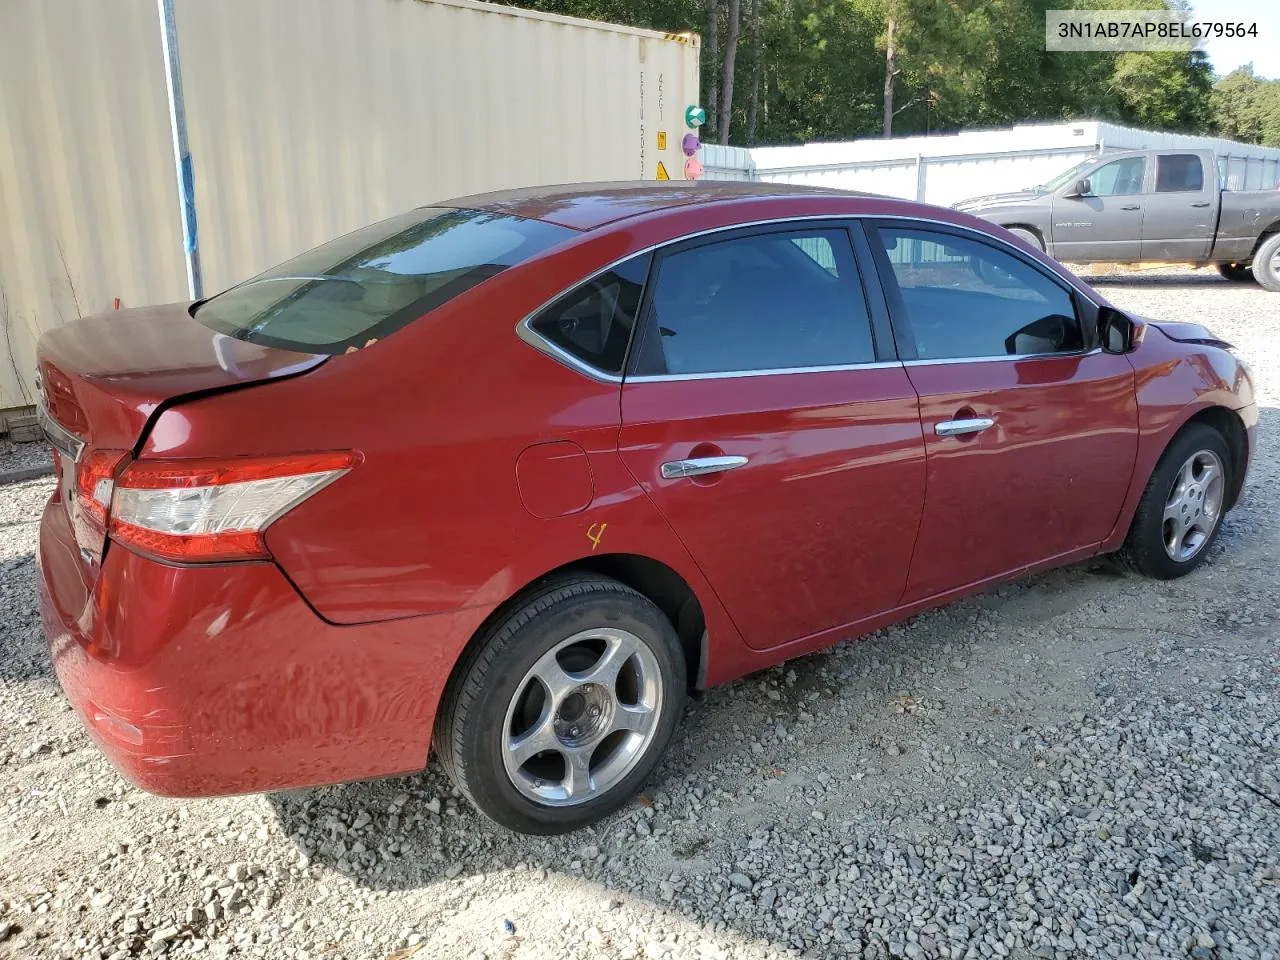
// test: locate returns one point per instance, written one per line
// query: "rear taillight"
(94, 478)
(202, 510)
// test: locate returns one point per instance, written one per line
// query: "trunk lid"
(103, 378)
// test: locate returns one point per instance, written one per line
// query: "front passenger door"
(768, 423)
(1030, 430)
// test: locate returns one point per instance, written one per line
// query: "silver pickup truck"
(1146, 205)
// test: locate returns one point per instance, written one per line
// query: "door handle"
(700, 466)
(1131, 206)
(961, 428)
(1202, 203)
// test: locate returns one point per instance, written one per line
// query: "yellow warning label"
(662, 139)
(662, 172)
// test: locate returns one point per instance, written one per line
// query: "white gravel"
(23, 456)
(1079, 765)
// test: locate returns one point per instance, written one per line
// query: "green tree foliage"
(816, 69)
(1247, 107)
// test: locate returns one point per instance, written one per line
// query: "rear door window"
(1179, 173)
(769, 301)
(370, 283)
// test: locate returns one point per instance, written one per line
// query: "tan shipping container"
(304, 119)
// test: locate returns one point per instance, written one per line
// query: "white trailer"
(158, 149)
(952, 167)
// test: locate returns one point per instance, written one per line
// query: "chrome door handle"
(1131, 206)
(700, 466)
(1202, 203)
(960, 428)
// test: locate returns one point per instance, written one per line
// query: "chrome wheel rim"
(582, 717)
(1194, 506)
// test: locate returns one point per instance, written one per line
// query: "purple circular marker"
(690, 144)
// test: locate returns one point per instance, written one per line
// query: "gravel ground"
(23, 456)
(1082, 764)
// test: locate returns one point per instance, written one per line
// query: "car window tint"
(965, 298)
(594, 322)
(1179, 172)
(365, 285)
(761, 302)
(1122, 178)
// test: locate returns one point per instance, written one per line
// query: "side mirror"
(1045, 335)
(1118, 333)
(1081, 189)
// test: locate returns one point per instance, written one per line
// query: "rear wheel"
(1237, 272)
(1266, 263)
(1181, 510)
(558, 716)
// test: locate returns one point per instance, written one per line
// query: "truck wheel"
(1180, 513)
(1028, 236)
(1236, 272)
(1266, 263)
(559, 714)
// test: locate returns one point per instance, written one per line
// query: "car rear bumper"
(220, 679)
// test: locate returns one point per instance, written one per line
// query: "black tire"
(1028, 236)
(471, 732)
(1237, 272)
(1144, 549)
(1266, 263)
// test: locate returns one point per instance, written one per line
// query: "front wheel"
(562, 711)
(1028, 236)
(1236, 272)
(1180, 513)
(1266, 263)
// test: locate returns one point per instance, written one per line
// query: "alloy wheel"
(1193, 507)
(582, 717)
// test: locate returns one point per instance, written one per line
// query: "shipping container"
(154, 148)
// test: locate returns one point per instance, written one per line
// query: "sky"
(1263, 51)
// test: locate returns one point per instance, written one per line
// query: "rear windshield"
(369, 283)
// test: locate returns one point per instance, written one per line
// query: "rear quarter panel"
(432, 521)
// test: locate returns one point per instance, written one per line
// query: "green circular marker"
(694, 116)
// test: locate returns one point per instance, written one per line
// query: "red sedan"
(507, 476)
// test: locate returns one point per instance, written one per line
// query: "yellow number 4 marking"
(594, 533)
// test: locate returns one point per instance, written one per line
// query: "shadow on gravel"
(453, 841)
(730, 775)
(1163, 280)
(23, 653)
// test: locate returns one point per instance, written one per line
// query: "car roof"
(586, 206)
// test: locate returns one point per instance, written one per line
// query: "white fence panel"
(726, 163)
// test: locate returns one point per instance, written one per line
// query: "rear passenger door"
(1182, 210)
(765, 415)
(1031, 431)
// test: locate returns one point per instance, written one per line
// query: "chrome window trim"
(525, 331)
(764, 372)
(540, 343)
(1060, 355)
(62, 439)
(1065, 275)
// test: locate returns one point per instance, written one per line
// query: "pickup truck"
(1142, 206)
